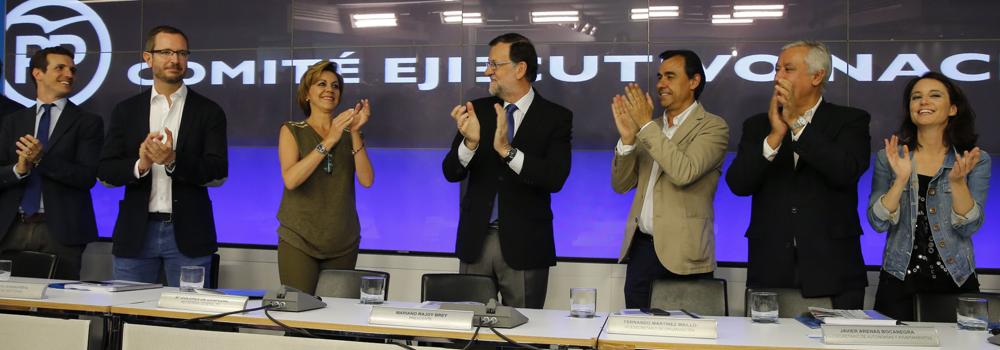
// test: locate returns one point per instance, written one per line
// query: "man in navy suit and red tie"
(514, 150)
(48, 163)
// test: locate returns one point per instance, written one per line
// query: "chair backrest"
(456, 287)
(31, 263)
(345, 283)
(703, 296)
(791, 303)
(941, 307)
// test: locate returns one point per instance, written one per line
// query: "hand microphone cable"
(215, 316)
(473, 339)
(511, 341)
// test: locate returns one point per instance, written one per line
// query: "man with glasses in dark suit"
(514, 150)
(166, 145)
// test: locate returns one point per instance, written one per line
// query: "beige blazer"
(690, 163)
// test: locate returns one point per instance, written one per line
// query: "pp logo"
(26, 15)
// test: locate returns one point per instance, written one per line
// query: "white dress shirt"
(770, 153)
(646, 214)
(54, 114)
(163, 115)
(465, 154)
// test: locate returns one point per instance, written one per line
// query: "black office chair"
(457, 287)
(345, 283)
(941, 307)
(791, 303)
(703, 296)
(31, 263)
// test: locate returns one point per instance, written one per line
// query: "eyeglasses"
(494, 64)
(168, 53)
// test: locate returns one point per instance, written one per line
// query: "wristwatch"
(511, 153)
(799, 123)
(322, 149)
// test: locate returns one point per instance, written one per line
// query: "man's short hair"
(151, 36)
(40, 60)
(521, 50)
(817, 58)
(692, 67)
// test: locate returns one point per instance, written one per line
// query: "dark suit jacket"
(202, 161)
(525, 199)
(815, 204)
(8, 106)
(68, 168)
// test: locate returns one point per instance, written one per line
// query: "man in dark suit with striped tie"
(48, 163)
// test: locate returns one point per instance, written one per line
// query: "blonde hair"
(310, 78)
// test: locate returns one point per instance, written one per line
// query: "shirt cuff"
(517, 163)
(135, 171)
(623, 149)
(465, 154)
(770, 153)
(972, 215)
(883, 214)
(19, 176)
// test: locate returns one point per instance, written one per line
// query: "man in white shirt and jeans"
(166, 146)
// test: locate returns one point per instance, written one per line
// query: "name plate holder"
(880, 335)
(662, 326)
(202, 302)
(423, 318)
(23, 290)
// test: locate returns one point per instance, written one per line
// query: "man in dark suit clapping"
(49, 156)
(166, 145)
(801, 162)
(514, 150)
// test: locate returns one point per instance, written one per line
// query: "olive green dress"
(319, 217)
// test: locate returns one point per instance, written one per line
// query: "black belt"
(494, 225)
(31, 219)
(163, 217)
(639, 233)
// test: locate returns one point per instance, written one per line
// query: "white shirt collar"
(179, 94)
(524, 102)
(808, 115)
(60, 104)
(680, 118)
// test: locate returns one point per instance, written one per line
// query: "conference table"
(344, 318)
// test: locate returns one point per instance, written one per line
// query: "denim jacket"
(952, 232)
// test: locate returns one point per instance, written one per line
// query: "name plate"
(880, 335)
(663, 326)
(23, 290)
(424, 318)
(202, 302)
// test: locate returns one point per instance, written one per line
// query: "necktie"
(510, 121)
(32, 199)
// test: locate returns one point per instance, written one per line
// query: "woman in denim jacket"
(931, 200)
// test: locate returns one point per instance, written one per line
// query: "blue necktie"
(495, 213)
(32, 199)
(510, 121)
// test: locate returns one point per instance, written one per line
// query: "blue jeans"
(160, 249)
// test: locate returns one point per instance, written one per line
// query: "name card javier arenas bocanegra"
(880, 335)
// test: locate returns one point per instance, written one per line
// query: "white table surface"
(543, 327)
(788, 333)
(81, 300)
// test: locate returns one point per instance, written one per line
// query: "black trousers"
(644, 268)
